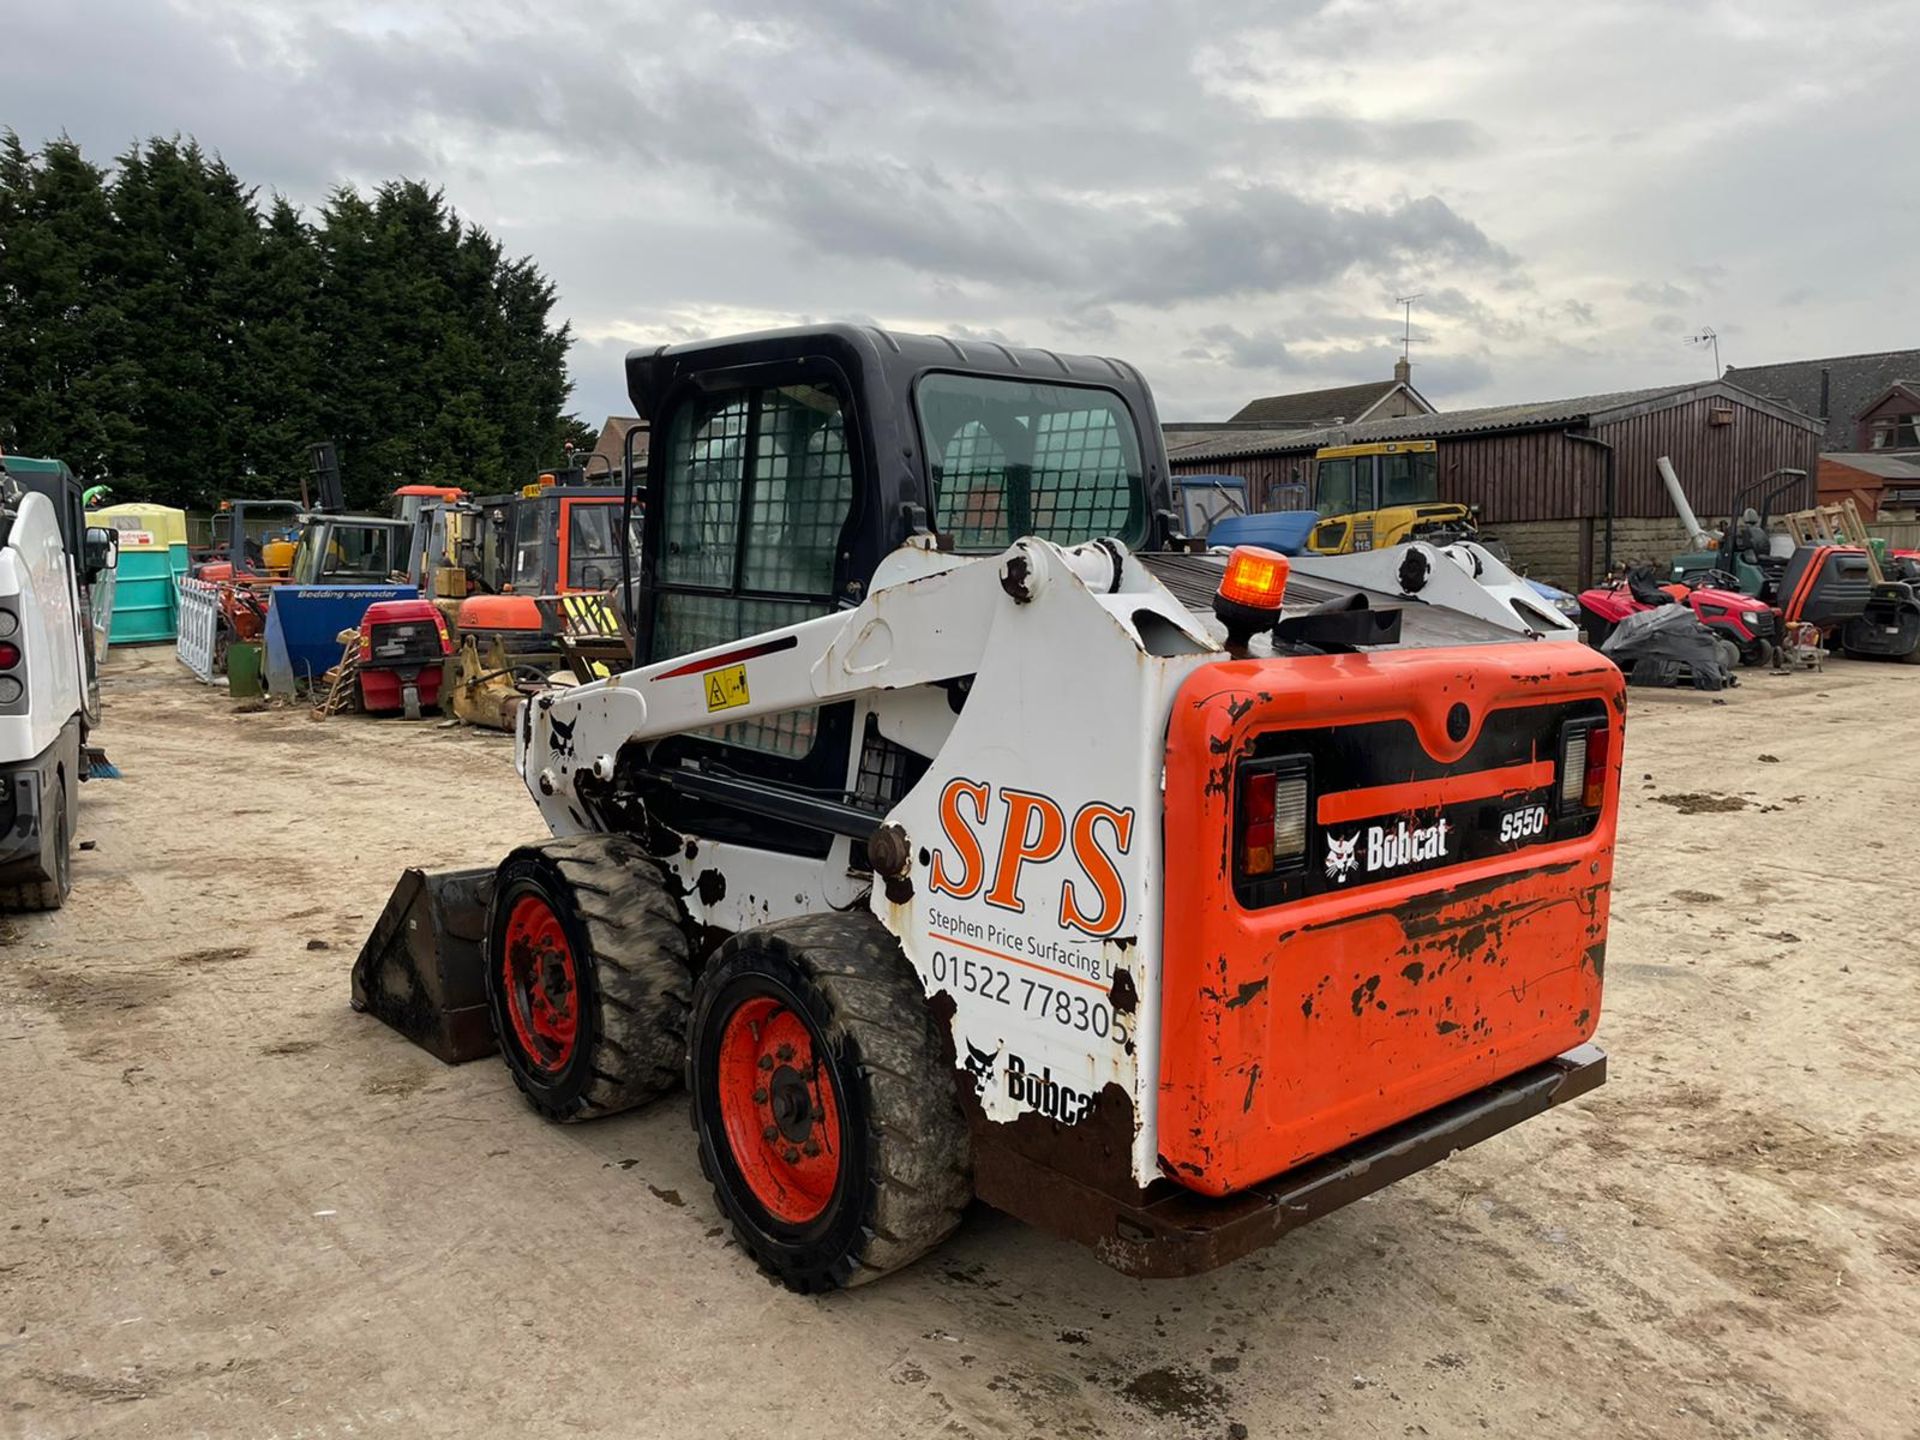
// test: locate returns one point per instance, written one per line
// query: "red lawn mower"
(404, 646)
(1751, 627)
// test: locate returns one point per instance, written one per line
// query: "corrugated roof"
(1890, 467)
(1187, 440)
(1316, 407)
(1854, 383)
(1579, 410)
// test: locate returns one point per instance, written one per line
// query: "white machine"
(963, 829)
(49, 683)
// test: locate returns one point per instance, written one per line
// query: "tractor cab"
(443, 534)
(350, 550)
(542, 560)
(566, 535)
(253, 540)
(1387, 493)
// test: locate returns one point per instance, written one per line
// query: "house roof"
(1873, 462)
(1543, 414)
(1854, 382)
(1187, 439)
(613, 438)
(1317, 407)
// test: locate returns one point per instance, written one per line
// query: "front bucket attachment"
(422, 970)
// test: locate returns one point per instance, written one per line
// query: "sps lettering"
(986, 849)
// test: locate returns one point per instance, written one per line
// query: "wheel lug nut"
(785, 1052)
(771, 1133)
(766, 1062)
(793, 1155)
(760, 1096)
(812, 1147)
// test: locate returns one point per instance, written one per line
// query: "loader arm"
(944, 603)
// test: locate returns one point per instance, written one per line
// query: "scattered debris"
(1696, 802)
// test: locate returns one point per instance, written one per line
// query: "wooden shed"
(1570, 485)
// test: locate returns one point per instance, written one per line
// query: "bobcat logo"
(980, 1065)
(1341, 859)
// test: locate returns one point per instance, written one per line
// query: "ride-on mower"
(1746, 624)
(1837, 589)
(963, 830)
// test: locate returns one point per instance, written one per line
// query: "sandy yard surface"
(231, 1207)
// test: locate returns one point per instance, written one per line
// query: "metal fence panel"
(199, 625)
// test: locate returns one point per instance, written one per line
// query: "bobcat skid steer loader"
(963, 830)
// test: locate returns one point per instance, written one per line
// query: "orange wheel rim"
(542, 985)
(778, 1109)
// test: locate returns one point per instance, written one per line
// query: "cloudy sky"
(1230, 193)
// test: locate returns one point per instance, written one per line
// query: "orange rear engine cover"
(1443, 927)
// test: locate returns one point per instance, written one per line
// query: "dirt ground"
(231, 1207)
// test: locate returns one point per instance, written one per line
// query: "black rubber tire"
(906, 1173)
(47, 895)
(627, 931)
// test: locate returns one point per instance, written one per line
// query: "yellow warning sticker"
(726, 688)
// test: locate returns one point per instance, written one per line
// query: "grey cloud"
(1125, 174)
(1264, 240)
(1470, 313)
(1666, 294)
(945, 40)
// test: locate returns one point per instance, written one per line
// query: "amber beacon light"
(1251, 592)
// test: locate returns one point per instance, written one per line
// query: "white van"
(50, 567)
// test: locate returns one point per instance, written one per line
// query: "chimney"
(1826, 390)
(1402, 371)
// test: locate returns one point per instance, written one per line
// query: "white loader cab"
(50, 563)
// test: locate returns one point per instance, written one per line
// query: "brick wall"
(1550, 550)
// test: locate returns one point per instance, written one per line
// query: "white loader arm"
(926, 619)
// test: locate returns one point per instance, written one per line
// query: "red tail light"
(1584, 750)
(1599, 743)
(1256, 823)
(1272, 817)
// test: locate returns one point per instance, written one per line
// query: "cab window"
(1010, 459)
(759, 486)
(1409, 479)
(530, 533)
(1335, 489)
(593, 545)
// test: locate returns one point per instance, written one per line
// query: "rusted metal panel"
(1164, 1232)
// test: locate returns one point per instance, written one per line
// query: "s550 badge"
(1527, 823)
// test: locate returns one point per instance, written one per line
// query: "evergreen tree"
(66, 385)
(158, 329)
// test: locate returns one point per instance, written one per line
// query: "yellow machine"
(1386, 493)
